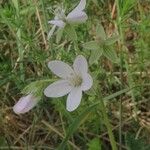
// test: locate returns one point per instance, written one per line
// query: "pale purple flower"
(77, 15)
(72, 82)
(25, 104)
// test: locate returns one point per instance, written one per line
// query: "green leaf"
(92, 45)
(71, 33)
(94, 144)
(59, 35)
(110, 54)
(95, 55)
(100, 32)
(111, 40)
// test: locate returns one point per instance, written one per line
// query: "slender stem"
(19, 44)
(107, 123)
(120, 43)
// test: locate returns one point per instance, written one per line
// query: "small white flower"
(73, 81)
(77, 15)
(25, 104)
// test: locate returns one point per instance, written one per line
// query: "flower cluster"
(74, 80)
(76, 16)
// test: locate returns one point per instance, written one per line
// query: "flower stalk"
(107, 123)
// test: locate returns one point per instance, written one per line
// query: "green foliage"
(2, 141)
(94, 144)
(95, 55)
(25, 51)
(71, 33)
(100, 32)
(36, 88)
(110, 53)
(73, 127)
(125, 8)
(134, 144)
(92, 45)
(103, 45)
(15, 2)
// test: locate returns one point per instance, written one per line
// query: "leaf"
(94, 144)
(95, 55)
(59, 35)
(110, 54)
(92, 45)
(71, 33)
(111, 40)
(100, 32)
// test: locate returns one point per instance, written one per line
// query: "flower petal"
(87, 82)
(77, 17)
(58, 89)
(74, 99)
(80, 65)
(25, 104)
(60, 68)
(80, 6)
(58, 23)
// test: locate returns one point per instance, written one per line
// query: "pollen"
(76, 80)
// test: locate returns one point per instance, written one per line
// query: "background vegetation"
(124, 86)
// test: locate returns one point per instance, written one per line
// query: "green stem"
(107, 123)
(19, 43)
(120, 42)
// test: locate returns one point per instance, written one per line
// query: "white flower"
(73, 81)
(77, 15)
(25, 104)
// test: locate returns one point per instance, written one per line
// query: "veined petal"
(60, 68)
(80, 65)
(87, 82)
(58, 23)
(77, 17)
(58, 89)
(25, 104)
(80, 6)
(74, 98)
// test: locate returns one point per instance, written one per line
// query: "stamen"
(75, 80)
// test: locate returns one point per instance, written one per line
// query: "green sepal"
(36, 87)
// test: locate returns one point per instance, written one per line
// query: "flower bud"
(25, 104)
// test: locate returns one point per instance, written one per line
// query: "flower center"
(75, 80)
